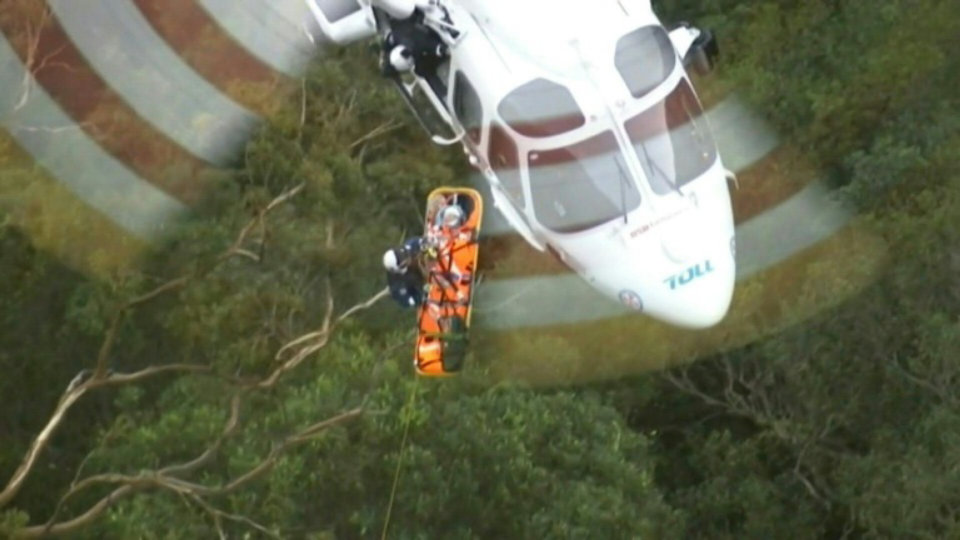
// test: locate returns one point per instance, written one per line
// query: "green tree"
(259, 386)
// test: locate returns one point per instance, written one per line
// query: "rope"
(403, 449)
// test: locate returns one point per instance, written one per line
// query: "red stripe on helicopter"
(61, 69)
(201, 42)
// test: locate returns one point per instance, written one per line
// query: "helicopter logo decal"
(690, 274)
(631, 299)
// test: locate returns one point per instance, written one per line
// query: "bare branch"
(110, 478)
(82, 520)
(39, 443)
(282, 198)
(32, 64)
(363, 305)
(311, 432)
(754, 406)
(267, 463)
(248, 254)
(168, 477)
(165, 479)
(115, 379)
(303, 105)
(748, 394)
(233, 421)
(173, 478)
(218, 514)
(106, 346)
(75, 392)
(683, 383)
(382, 129)
(940, 390)
(811, 489)
(328, 323)
(101, 376)
(164, 288)
(76, 479)
(157, 479)
(318, 337)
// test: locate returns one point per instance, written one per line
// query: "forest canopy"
(246, 379)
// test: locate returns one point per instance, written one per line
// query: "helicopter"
(583, 120)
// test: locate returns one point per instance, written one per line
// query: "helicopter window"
(672, 140)
(506, 162)
(338, 10)
(580, 186)
(467, 106)
(541, 108)
(644, 58)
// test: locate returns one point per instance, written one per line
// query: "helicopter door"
(429, 110)
(424, 96)
(467, 107)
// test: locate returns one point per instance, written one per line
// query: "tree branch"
(218, 514)
(32, 65)
(39, 443)
(101, 375)
(82, 520)
(382, 129)
(233, 421)
(170, 477)
(73, 393)
(157, 479)
(174, 477)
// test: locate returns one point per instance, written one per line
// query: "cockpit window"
(672, 140)
(580, 186)
(467, 106)
(541, 108)
(644, 58)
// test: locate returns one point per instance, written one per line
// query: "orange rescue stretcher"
(449, 269)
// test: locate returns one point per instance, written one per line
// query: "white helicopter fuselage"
(582, 119)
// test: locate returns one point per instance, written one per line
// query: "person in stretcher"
(403, 264)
